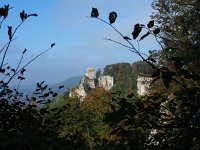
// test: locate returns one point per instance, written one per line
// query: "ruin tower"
(90, 73)
(143, 84)
(87, 84)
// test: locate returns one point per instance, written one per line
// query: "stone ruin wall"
(143, 85)
(88, 83)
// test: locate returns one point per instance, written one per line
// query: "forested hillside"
(125, 74)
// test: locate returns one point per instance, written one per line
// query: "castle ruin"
(143, 85)
(88, 83)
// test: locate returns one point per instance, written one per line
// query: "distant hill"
(69, 83)
(124, 74)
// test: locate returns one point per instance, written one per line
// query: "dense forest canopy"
(125, 74)
(179, 24)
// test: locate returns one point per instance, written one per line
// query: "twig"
(118, 43)
(20, 62)
(17, 72)
(8, 45)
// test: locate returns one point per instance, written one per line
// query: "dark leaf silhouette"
(142, 25)
(10, 32)
(23, 15)
(4, 11)
(145, 35)
(21, 78)
(22, 71)
(94, 13)
(156, 31)
(126, 38)
(166, 79)
(156, 73)
(62, 86)
(44, 88)
(150, 24)
(55, 94)
(1, 11)
(13, 70)
(24, 51)
(137, 30)
(40, 101)
(112, 17)
(36, 93)
(35, 15)
(33, 98)
(2, 70)
(51, 92)
(8, 74)
(46, 95)
(52, 45)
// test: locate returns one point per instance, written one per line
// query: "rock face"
(88, 83)
(80, 91)
(143, 84)
(105, 82)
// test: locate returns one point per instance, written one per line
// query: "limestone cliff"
(105, 82)
(88, 83)
(143, 84)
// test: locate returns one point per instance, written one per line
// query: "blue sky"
(79, 40)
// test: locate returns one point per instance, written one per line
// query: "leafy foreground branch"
(21, 116)
(166, 119)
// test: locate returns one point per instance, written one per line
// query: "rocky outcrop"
(105, 82)
(88, 83)
(143, 84)
(80, 91)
